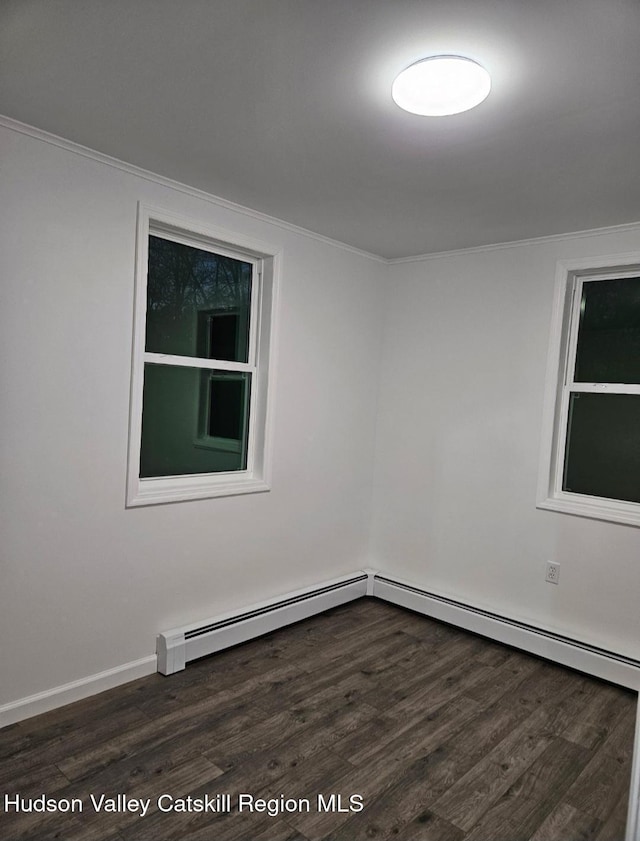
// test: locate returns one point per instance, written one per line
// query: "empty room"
(320, 414)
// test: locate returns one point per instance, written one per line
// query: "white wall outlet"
(553, 573)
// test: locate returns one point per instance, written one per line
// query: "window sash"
(560, 385)
(578, 288)
(205, 244)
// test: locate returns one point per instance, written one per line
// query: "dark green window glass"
(602, 456)
(193, 421)
(198, 303)
(609, 333)
(225, 406)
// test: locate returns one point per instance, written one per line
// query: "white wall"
(458, 443)
(87, 584)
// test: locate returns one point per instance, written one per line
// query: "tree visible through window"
(198, 302)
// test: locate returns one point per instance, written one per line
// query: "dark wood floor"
(445, 736)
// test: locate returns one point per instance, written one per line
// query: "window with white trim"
(591, 450)
(202, 335)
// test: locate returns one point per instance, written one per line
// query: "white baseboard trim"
(51, 699)
(178, 646)
(575, 654)
(181, 645)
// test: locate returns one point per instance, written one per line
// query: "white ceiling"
(284, 106)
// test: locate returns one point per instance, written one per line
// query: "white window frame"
(256, 478)
(570, 277)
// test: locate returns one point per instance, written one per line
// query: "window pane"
(609, 333)
(603, 446)
(198, 303)
(193, 421)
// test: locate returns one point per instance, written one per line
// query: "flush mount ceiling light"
(441, 85)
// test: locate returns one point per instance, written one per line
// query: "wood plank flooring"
(444, 736)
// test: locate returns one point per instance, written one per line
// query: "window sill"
(183, 488)
(221, 445)
(593, 507)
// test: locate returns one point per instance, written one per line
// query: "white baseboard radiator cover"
(594, 661)
(177, 647)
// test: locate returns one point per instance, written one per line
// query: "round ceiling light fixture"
(441, 85)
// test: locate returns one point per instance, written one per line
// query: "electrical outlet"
(553, 573)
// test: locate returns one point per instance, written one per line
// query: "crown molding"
(626, 227)
(147, 175)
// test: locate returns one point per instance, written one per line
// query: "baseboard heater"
(594, 661)
(177, 647)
